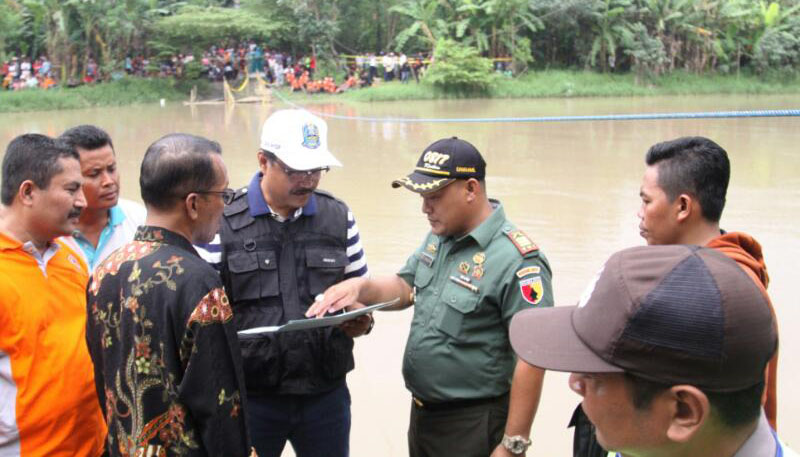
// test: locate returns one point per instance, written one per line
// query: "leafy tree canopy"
(196, 27)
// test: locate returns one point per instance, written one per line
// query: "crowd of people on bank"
(231, 63)
(19, 74)
(130, 330)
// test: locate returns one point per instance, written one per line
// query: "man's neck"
(482, 213)
(282, 210)
(169, 222)
(14, 225)
(700, 234)
(94, 219)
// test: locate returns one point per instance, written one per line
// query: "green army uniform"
(458, 356)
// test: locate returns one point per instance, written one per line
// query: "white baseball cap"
(299, 139)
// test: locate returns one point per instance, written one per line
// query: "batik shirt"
(167, 364)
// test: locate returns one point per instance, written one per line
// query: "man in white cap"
(283, 242)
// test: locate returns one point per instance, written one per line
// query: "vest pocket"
(253, 274)
(325, 268)
(261, 363)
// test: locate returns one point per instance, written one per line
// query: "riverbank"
(126, 91)
(564, 83)
(553, 83)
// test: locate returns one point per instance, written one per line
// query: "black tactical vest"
(272, 271)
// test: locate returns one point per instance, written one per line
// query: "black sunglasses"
(227, 194)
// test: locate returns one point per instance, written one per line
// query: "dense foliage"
(646, 37)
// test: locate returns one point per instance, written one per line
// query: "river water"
(572, 186)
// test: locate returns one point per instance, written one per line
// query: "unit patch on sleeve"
(522, 242)
(522, 272)
(532, 289)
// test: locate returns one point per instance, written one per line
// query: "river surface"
(572, 186)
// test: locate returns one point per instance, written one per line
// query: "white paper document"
(303, 324)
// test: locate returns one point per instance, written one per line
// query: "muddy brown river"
(572, 186)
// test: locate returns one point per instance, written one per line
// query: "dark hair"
(86, 137)
(32, 157)
(693, 165)
(733, 409)
(176, 165)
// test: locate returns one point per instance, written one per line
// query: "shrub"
(459, 68)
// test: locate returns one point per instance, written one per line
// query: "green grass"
(565, 83)
(551, 83)
(127, 91)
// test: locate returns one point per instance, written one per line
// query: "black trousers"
(464, 431)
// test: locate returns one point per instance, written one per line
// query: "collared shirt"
(115, 218)
(42, 258)
(467, 290)
(357, 262)
(763, 443)
(167, 362)
(46, 381)
(123, 220)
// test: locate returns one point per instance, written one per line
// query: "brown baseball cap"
(443, 162)
(674, 314)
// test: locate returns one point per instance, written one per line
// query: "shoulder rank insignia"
(522, 242)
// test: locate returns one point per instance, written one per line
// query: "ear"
(26, 191)
(472, 186)
(684, 207)
(262, 161)
(690, 411)
(190, 203)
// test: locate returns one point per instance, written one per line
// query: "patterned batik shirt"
(166, 359)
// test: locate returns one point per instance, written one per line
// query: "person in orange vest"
(46, 376)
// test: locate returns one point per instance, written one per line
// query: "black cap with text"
(443, 162)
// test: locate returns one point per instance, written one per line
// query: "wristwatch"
(516, 445)
(371, 323)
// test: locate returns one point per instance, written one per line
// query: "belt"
(455, 404)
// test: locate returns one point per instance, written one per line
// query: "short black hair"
(32, 157)
(176, 165)
(733, 409)
(696, 166)
(88, 137)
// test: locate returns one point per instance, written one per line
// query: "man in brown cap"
(470, 275)
(667, 347)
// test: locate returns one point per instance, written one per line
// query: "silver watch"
(516, 445)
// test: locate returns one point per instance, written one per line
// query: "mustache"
(74, 213)
(301, 191)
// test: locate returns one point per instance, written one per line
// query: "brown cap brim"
(545, 337)
(421, 183)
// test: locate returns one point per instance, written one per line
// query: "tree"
(459, 68)
(610, 23)
(427, 22)
(194, 27)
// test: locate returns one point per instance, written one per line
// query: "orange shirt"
(47, 391)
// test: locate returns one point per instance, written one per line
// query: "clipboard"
(317, 322)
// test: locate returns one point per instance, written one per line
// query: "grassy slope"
(554, 83)
(571, 84)
(126, 91)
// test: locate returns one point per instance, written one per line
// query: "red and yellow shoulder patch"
(522, 242)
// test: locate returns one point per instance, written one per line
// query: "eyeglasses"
(291, 173)
(227, 194)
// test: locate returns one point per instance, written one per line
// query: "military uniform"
(458, 362)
